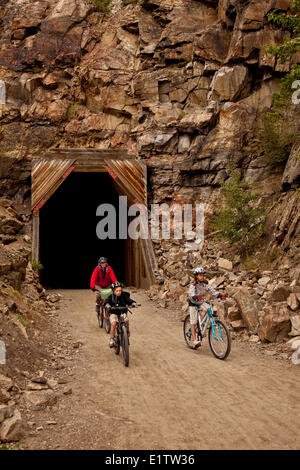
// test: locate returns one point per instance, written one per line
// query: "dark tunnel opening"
(69, 246)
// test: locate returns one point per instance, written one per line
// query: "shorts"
(193, 312)
(103, 294)
(114, 318)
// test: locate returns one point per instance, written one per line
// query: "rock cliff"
(180, 84)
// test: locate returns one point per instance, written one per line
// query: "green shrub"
(102, 5)
(37, 266)
(72, 111)
(127, 2)
(262, 259)
(237, 220)
(23, 320)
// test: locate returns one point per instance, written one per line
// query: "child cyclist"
(118, 298)
(198, 288)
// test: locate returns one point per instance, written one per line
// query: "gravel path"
(169, 397)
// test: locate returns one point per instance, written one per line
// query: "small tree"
(237, 220)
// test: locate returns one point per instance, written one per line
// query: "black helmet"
(102, 260)
(116, 284)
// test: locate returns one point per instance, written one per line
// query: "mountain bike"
(121, 338)
(102, 315)
(218, 334)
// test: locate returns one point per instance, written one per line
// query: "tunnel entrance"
(67, 187)
(69, 246)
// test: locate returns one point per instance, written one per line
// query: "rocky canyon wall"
(178, 83)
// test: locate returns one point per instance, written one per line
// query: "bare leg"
(113, 329)
(193, 330)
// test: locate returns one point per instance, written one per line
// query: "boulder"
(36, 386)
(254, 339)
(213, 43)
(5, 382)
(225, 264)
(260, 291)
(275, 324)
(229, 83)
(6, 411)
(184, 281)
(292, 301)
(4, 396)
(237, 324)
(184, 143)
(295, 321)
(39, 400)
(233, 314)
(12, 429)
(248, 308)
(264, 281)
(197, 119)
(280, 293)
(10, 226)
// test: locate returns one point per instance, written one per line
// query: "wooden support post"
(36, 238)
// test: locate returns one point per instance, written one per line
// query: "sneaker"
(111, 343)
(196, 343)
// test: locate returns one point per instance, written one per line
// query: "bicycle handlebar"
(125, 306)
(202, 299)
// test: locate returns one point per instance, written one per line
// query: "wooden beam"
(88, 153)
(36, 238)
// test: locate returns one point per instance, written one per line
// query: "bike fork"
(213, 325)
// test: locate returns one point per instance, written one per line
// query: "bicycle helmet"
(102, 260)
(199, 271)
(116, 284)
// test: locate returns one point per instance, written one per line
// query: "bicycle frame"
(209, 318)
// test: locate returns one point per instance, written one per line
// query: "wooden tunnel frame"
(129, 178)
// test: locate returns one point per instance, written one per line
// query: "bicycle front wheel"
(100, 317)
(107, 323)
(219, 339)
(117, 345)
(187, 332)
(125, 346)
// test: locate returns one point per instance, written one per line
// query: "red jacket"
(102, 280)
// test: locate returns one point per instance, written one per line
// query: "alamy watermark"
(2, 353)
(164, 221)
(296, 354)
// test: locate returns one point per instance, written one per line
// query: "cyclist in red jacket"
(102, 277)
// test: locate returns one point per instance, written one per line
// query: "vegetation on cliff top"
(102, 5)
(281, 129)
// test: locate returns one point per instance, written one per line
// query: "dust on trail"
(169, 397)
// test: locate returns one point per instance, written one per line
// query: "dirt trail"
(170, 397)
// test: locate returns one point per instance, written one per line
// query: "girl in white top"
(198, 288)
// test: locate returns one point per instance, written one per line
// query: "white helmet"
(199, 271)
